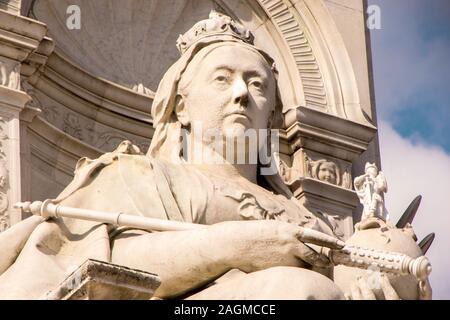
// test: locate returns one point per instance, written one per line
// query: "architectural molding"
(100, 92)
(19, 36)
(327, 78)
(335, 205)
(321, 132)
(281, 14)
(83, 121)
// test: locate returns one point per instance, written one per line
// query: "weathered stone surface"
(98, 280)
(92, 89)
(12, 6)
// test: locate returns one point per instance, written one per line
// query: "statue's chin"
(237, 122)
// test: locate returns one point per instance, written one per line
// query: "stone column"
(19, 38)
(12, 102)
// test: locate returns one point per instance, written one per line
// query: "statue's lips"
(238, 115)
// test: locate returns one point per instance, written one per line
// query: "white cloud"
(414, 168)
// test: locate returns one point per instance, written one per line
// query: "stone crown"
(217, 26)
(370, 165)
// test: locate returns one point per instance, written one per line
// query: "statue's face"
(233, 90)
(327, 173)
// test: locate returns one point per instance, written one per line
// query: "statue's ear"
(181, 111)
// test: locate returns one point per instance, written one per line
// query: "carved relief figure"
(323, 170)
(347, 179)
(327, 171)
(370, 188)
(9, 74)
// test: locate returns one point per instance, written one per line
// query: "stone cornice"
(14, 99)
(19, 36)
(325, 133)
(29, 113)
(101, 92)
(324, 190)
(94, 98)
(38, 58)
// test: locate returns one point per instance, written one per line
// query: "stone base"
(333, 204)
(98, 280)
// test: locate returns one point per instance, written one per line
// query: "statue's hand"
(361, 290)
(256, 245)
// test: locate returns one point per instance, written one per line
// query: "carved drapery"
(9, 73)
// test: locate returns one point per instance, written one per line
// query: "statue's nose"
(240, 92)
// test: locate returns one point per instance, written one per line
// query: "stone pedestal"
(98, 280)
(317, 151)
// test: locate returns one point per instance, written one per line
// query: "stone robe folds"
(36, 256)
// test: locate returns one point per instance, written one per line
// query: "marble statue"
(251, 247)
(370, 188)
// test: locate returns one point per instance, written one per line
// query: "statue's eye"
(256, 84)
(221, 78)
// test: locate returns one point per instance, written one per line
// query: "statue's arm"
(359, 181)
(186, 260)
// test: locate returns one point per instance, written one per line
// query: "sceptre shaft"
(352, 256)
(48, 209)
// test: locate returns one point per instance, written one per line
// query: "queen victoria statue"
(211, 162)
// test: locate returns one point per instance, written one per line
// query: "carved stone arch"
(316, 69)
(334, 60)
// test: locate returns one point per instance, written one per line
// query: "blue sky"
(411, 56)
(411, 63)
